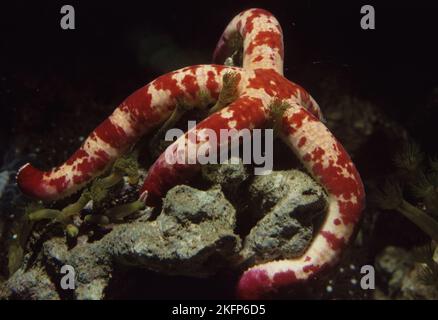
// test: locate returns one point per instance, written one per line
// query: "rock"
(400, 276)
(93, 290)
(267, 191)
(414, 288)
(293, 199)
(193, 235)
(92, 267)
(228, 175)
(29, 285)
(392, 265)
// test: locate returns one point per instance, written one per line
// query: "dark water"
(118, 47)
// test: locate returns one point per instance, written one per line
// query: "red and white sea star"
(260, 82)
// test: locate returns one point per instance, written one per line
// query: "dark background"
(120, 46)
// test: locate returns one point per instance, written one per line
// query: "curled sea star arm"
(139, 113)
(166, 172)
(328, 162)
(263, 48)
(262, 40)
(257, 89)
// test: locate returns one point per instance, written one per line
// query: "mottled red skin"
(53, 184)
(269, 38)
(254, 283)
(332, 177)
(30, 179)
(161, 176)
(245, 110)
(223, 50)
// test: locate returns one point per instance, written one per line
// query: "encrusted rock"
(29, 285)
(291, 200)
(228, 175)
(397, 268)
(193, 235)
(392, 265)
(267, 190)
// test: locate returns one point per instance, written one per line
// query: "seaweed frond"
(422, 187)
(124, 210)
(425, 188)
(424, 221)
(72, 231)
(98, 191)
(128, 165)
(43, 214)
(33, 206)
(410, 158)
(415, 181)
(428, 274)
(390, 197)
(74, 208)
(97, 219)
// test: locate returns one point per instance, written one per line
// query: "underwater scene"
(235, 150)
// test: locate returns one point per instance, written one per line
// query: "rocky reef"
(196, 234)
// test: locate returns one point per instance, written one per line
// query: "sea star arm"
(261, 86)
(166, 172)
(325, 159)
(328, 162)
(144, 110)
(262, 40)
(263, 48)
